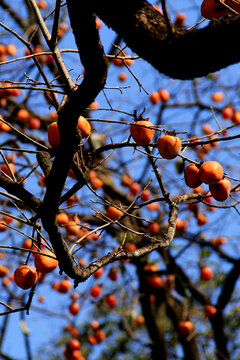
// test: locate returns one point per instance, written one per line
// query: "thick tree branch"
(184, 54)
(96, 64)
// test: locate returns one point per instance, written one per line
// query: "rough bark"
(184, 54)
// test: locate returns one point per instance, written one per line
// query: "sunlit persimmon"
(73, 344)
(169, 146)
(96, 183)
(72, 227)
(4, 127)
(146, 195)
(221, 240)
(141, 132)
(25, 276)
(94, 324)
(164, 95)
(134, 188)
(3, 270)
(8, 169)
(218, 96)
(96, 291)
(41, 298)
(114, 213)
(34, 123)
(153, 228)
(74, 308)
(210, 172)
(11, 49)
(180, 19)
(126, 181)
(111, 300)
(201, 219)
(45, 261)
(221, 190)
(42, 4)
(214, 143)
(139, 320)
(54, 135)
(91, 339)
(155, 281)
(122, 76)
(154, 206)
(209, 310)
(130, 246)
(154, 97)
(192, 176)
(84, 126)
(23, 115)
(207, 129)
(185, 327)
(206, 273)
(99, 335)
(236, 117)
(2, 49)
(3, 226)
(227, 112)
(62, 219)
(98, 273)
(199, 190)
(64, 286)
(181, 225)
(94, 105)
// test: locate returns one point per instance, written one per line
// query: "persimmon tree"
(119, 178)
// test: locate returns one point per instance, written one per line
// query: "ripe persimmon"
(72, 227)
(201, 219)
(64, 286)
(218, 96)
(25, 276)
(6, 169)
(210, 172)
(134, 188)
(84, 126)
(62, 219)
(164, 95)
(169, 146)
(185, 327)
(23, 115)
(192, 178)
(53, 135)
(142, 135)
(154, 97)
(4, 127)
(98, 273)
(221, 190)
(3, 270)
(114, 213)
(146, 195)
(45, 261)
(211, 9)
(99, 335)
(153, 228)
(209, 310)
(74, 308)
(95, 291)
(227, 112)
(122, 76)
(206, 273)
(111, 300)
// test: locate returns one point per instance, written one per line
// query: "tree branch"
(185, 54)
